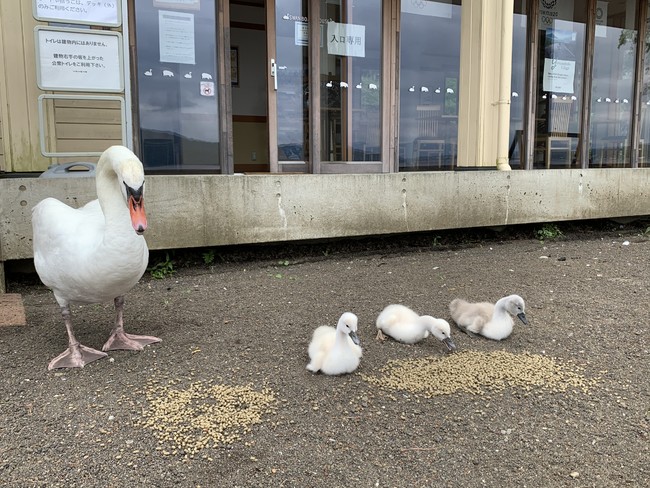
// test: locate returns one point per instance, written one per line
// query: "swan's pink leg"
(76, 355)
(120, 339)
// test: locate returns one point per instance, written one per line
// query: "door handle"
(274, 74)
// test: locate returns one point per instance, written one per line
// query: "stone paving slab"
(12, 310)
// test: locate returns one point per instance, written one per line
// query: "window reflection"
(613, 84)
(292, 36)
(561, 33)
(429, 69)
(177, 102)
(350, 80)
(644, 137)
(518, 84)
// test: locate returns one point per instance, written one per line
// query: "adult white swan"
(95, 253)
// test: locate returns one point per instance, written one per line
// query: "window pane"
(292, 35)
(613, 84)
(644, 139)
(429, 69)
(561, 36)
(350, 80)
(518, 85)
(177, 102)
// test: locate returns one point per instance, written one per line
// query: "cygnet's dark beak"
(522, 316)
(450, 344)
(354, 337)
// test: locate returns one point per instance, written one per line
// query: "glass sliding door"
(612, 91)
(561, 31)
(644, 124)
(289, 69)
(351, 84)
(518, 83)
(176, 64)
(349, 90)
(429, 70)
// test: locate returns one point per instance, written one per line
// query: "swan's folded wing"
(395, 316)
(61, 234)
(54, 223)
(322, 341)
(471, 315)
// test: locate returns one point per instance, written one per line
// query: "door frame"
(225, 89)
(390, 91)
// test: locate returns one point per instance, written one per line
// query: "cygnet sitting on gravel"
(335, 351)
(493, 321)
(404, 325)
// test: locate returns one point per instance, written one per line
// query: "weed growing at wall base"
(548, 231)
(162, 269)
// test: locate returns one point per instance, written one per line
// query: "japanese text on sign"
(176, 37)
(71, 59)
(89, 12)
(346, 39)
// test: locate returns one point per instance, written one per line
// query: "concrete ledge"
(214, 210)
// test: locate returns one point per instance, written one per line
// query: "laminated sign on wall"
(78, 60)
(346, 39)
(87, 12)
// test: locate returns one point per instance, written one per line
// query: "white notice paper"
(601, 19)
(552, 11)
(558, 75)
(104, 12)
(176, 37)
(301, 34)
(346, 39)
(79, 60)
(431, 9)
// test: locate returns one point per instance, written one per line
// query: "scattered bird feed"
(479, 372)
(203, 415)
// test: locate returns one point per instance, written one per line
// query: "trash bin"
(70, 170)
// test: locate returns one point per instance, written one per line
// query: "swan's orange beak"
(138, 217)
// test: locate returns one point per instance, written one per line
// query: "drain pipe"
(505, 70)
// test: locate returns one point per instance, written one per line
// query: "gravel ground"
(225, 399)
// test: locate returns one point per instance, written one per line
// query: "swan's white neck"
(500, 308)
(500, 325)
(109, 194)
(111, 200)
(340, 340)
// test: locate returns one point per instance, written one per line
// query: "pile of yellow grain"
(479, 372)
(187, 420)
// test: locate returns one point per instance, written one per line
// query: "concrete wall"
(209, 210)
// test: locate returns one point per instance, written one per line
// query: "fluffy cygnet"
(335, 351)
(493, 321)
(404, 325)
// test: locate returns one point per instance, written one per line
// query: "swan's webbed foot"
(130, 342)
(120, 339)
(75, 356)
(473, 335)
(466, 330)
(380, 336)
